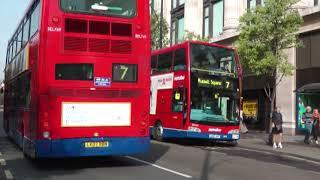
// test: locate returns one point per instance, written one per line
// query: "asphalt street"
(173, 160)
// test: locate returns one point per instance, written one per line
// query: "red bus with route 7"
(195, 92)
(77, 79)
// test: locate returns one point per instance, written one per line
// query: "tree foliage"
(265, 32)
(191, 36)
(155, 31)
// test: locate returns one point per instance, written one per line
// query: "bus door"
(179, 108)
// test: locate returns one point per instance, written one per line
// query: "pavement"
(292, 145)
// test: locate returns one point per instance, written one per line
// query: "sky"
(11, 12)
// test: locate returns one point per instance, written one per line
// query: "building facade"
(219, 19)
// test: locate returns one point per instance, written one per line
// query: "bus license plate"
(214, 136)
(96, 144)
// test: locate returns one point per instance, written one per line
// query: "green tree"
(265, 32)
(191, 36)
(155, 31)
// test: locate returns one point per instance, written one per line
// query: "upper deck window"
(180, 60)
(165, 62)
(122, 8)
(212, 59)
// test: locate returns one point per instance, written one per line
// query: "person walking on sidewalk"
(277, 129)
(307, 118)
(243, 127)
(316, 125)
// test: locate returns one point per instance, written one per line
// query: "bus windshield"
(211, 106)
(215, 60)
(123, 8)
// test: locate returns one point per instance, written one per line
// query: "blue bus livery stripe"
(176, 133)
(75, 147)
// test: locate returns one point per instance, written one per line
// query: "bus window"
(165, 62)
(35, 18)
(19, 41)
(26, 29)
(123, 8)
(8, 55)
(180, 60)
(154, 64)
(74, 72)
(14, 50)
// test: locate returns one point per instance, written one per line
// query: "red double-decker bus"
(76, 78)
(196, 90)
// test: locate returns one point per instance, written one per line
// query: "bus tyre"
(158, 132)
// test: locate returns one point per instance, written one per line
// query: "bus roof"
(176, 46)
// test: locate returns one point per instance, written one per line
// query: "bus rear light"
(139, 27)
(45, 120)
(143, 124)
(143, 127)
(143, 131)
(45, 124)
(55, 20)
(46, 134)
(45, 115)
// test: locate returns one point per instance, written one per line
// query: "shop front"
(308, 95)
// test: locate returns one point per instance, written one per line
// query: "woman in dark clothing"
(316, 125)
(277, 133)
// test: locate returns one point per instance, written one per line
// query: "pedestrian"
(277, 128)
(308, 120)
(243, 127)
(316, 125)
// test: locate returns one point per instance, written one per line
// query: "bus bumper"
(175, 133)
(76, 147)
(221, 137)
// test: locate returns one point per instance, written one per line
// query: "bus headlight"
(46, 134)
(194, 129)
(234, 131)
(235, 134)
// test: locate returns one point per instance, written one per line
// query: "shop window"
(218, 13)
(177, 3)
(213, 18)
(254, 3)
(177, 30)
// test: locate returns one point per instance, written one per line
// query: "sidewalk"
(292, 145)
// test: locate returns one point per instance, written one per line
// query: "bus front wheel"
(158, 132)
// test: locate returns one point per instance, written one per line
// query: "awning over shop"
(309, 88)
